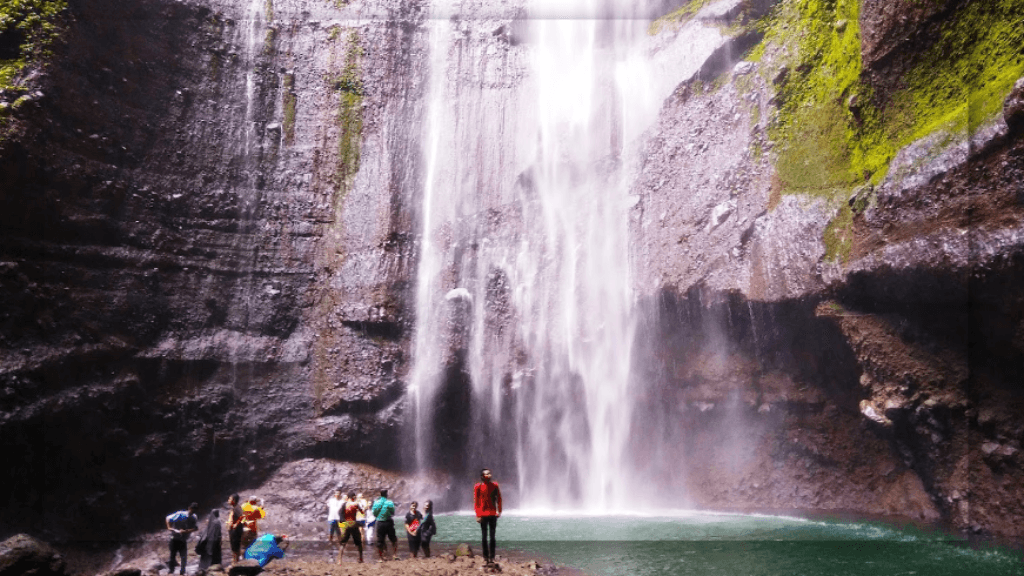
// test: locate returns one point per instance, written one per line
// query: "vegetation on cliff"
(27, 29)
(835, 130)
(349, 85)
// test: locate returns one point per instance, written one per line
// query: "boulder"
(23, 554)
(1013, 107)
(245, 568)
(463, 550)
(125, 571)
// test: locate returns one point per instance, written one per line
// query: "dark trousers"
(178, 547)
(488, 523)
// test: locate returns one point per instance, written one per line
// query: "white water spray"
(531, 140)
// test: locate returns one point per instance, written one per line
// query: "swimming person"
(487, 504)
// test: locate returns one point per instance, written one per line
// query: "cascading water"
(250, 36)
(523, 305)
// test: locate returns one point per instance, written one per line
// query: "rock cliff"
(210, 235)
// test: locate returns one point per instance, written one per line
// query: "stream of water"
(702, 543)
(524, 296)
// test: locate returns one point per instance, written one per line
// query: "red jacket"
(487, 499)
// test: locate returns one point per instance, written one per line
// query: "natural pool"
(702, 543)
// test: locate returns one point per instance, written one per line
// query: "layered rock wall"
(178, 232)
(209, 237)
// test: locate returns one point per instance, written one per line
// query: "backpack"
(179, 516)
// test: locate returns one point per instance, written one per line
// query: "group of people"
(243, 535)
(356, 518)
(348, 517)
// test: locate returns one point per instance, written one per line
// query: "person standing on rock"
(252, 513)
(350, 510)
(235, 528)
(487, 504)
(181, 524)
(209, 544)
(334, 505)
(412, 528)
(361, 516)
(427, 527)
(371, 524)
(384, 512)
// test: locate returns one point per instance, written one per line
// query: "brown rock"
(125, 571)
(464, 550)
(23, 554)
(1013, 107)
(245, 568)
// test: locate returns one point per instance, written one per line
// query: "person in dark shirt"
(427, 528)
(412, 528)
(487, 504)
(235, 528)
(209, 544)
(181, 524)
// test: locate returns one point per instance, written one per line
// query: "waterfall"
(524, 305)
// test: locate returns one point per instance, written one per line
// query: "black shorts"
(385, 529)
(353, 531)
(235, 538)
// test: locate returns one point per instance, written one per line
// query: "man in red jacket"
(487, 503)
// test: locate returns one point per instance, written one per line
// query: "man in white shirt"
(334, 504)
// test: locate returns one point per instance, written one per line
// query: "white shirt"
(334, 508)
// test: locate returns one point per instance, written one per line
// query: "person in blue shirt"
(384, 511)
(266, 548)
(181, 524)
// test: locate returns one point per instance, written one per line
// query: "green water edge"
(735, 544)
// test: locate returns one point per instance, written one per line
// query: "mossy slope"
(835, 130)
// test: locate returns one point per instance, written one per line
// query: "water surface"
(701, 543)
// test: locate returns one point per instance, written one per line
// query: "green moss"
(676, 19)
(268, 9)
(334, 32)
(838, 235)
(349, 85)
(962, 80)
(269, 41)
(289, 100)
(832, 131)
(30, 26)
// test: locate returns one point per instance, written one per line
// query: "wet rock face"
(888, 27)
(23, 554)
(757, 402)
(924, 313)
(197, 286)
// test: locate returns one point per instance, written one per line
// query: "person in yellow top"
(252, 513)
(361, 516)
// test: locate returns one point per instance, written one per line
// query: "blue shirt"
(383, 509)
(263, 550)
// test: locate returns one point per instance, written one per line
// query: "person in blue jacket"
(266, 548)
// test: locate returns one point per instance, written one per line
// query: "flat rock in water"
(23, 554)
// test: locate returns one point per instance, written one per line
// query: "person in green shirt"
(384, 511)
